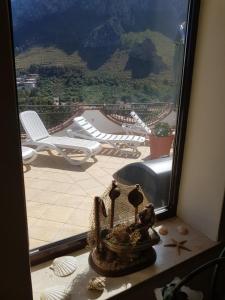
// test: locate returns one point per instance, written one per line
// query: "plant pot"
(160, 145)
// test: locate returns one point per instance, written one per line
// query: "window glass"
(104, 78)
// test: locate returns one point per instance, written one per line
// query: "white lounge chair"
(38, 136)
(28, 154)
(82, 128)
(138, 127)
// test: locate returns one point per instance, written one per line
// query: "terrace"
(59, 195)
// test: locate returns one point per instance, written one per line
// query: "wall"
(203, 175)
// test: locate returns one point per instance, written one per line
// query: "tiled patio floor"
(59, 196)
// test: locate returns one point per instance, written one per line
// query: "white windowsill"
(43, 277)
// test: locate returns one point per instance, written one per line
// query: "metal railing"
(52, 115)
(55, 115)
(149, 113)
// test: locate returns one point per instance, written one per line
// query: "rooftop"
(59, 195)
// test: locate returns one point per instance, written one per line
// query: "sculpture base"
(119, 266)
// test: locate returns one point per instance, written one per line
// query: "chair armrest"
(69, 133)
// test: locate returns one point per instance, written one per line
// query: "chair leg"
(74, 162)
(29, 160)
(132, 146)
(49, 147)
(87, 154)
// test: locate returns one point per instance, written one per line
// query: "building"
(27, 82)
(201, 196)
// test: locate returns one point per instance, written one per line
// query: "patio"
(59, 196)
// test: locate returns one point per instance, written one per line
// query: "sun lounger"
(28, 154)
(83, 129)
(38, 136)
(138, 127)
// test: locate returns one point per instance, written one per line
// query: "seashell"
(54, 293)
(97, 283)
(182, 229)
(64, 266)
(163, 230)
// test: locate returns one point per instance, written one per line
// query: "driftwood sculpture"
(99, 208)
(113, 194)
(135, 197)
(121, 243)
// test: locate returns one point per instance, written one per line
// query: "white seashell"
(97, 283)
(54, 293)
(64, 266)
(182, 229)
(163, 230)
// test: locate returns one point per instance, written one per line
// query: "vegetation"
(47, 56)
(68, 77)
(164, 46)
(162, 129)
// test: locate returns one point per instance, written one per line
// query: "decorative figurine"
(113, 194)
(135, 198)
(121, 239)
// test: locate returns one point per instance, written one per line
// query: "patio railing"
(57, 116)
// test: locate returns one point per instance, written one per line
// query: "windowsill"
(43, 277)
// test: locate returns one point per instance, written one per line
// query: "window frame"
(14, 230)
(73, 243)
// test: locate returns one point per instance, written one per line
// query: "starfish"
(178, 245)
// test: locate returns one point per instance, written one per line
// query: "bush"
(162, 129)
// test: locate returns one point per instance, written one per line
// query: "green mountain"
(97, 50)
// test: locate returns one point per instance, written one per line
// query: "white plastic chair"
(28, 155)
(138, 127)
(82, 128)
(38, 136)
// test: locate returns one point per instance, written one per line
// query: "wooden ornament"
(135, 198)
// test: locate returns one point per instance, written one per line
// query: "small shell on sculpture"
(163, 230)
(97, 283)
(64, 266)
(54, 293)
(182, 229)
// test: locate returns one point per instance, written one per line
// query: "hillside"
(51, 56)
(47, 56)
(38, 21)
(97, 50)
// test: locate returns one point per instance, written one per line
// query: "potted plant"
(160, 140)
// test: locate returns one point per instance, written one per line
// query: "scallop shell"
(64, 266)
(54, 293)
(97, 283)
(182, 229)
(163, 230)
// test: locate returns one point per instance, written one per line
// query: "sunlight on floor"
(59, 196)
